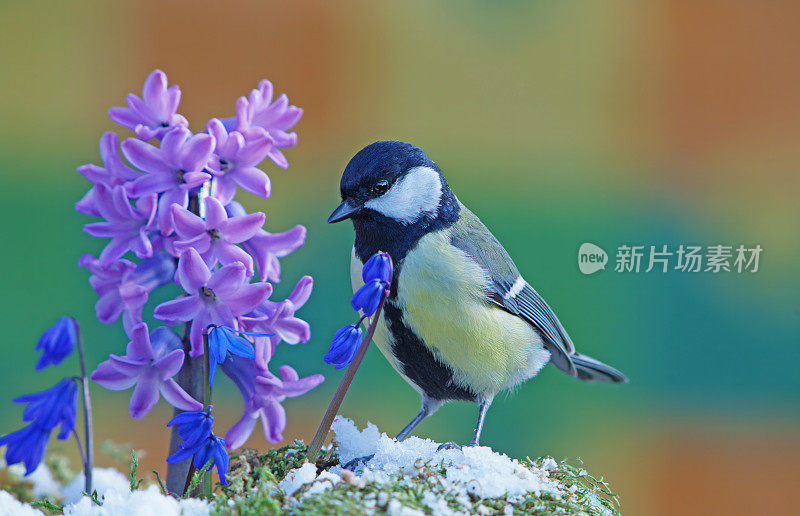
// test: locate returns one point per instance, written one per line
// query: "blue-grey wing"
(509, 291)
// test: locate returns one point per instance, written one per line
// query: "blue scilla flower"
(377, 276)
(193, 426)
(344, 346)
(46, 410)
(369, 296)
(57, 342)
(212, 448)
(224, 341)
(54, 406)
(26, 445)
(379, 266)
(200, 442)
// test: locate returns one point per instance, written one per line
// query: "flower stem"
(206, 372)
(322, 432)
(80, 446)
(190, 378)
(87, 417)
(189, 476)
(206, 483)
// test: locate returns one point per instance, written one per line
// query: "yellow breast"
(442, 294)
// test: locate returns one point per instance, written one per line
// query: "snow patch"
(10, 505)
(113, 488)
(104, 481)
(395, 508)
(305, 475)
(354, 443)
(549, 464)
(146, 502)
(43, 483)
(437, 505)
(473, 471)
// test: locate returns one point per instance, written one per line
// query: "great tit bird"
(460, 323)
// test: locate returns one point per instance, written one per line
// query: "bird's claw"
(450, 445)
(358, 463)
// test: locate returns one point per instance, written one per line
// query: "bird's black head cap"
(370, 174)
(384, 160)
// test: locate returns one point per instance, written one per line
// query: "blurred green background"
(559, 123)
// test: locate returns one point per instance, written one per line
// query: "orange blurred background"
(660, 122)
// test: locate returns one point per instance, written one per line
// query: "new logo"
(591, 258)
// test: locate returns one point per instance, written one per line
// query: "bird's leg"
(483, 407)
(405, 432)
(429, 406)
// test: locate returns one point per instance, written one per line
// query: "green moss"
(253, 489)
(590, 496)
(253, 480)
(587, 488)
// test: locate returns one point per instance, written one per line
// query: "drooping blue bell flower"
(193, 426)
(379, 266)
(345, 344)
(46, 410)
(368, 297)
(200, 442)
(57, 342)
(224, 341)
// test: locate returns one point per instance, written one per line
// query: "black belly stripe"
(418, 362)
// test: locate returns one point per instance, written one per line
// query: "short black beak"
(342, 212)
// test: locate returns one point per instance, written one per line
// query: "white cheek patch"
(413, 196)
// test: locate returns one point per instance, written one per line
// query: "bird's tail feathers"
(592, 370)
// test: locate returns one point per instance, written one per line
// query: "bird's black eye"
(380, 187)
